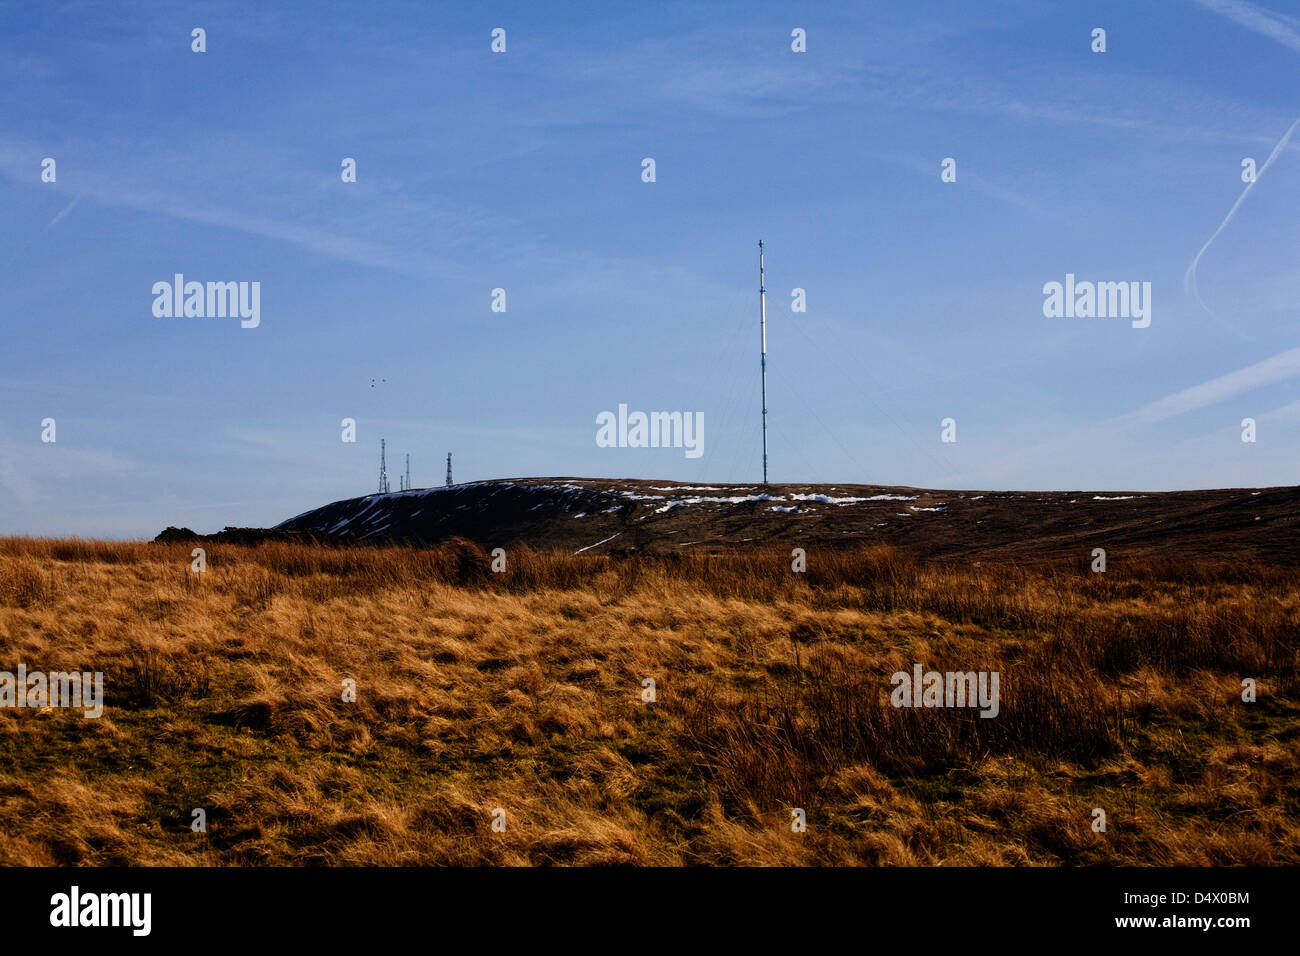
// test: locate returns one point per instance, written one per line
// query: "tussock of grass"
(522, 692)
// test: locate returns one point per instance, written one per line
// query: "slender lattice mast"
(383, 469)
(448, 469)
(762, 327)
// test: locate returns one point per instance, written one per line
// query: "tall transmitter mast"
(762, 326)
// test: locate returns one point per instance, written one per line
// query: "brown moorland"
(522, 690)
(607, 516)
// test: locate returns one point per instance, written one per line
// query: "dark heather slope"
(599, 516)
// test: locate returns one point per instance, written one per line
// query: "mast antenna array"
(383, 469)
(448, 469)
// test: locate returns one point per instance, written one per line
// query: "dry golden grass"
(522, 691)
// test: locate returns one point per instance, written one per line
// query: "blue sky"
(522, 171)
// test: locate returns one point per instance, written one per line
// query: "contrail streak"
(66, 209)
(48, 226)
(1189, 277)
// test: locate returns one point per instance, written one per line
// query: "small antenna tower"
(762, 326)
(448, 469)
(408, 471)
(383, 470)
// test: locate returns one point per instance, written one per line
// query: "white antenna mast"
(762, 325)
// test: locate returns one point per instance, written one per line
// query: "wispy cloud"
(1104, 437)
(1275, 26)
(28, 470)
(1287, 413)
(1275, 369)
(396, 233)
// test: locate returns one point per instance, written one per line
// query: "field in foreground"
(522, 690)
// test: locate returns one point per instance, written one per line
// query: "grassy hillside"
(621, 516)
(523, 691)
